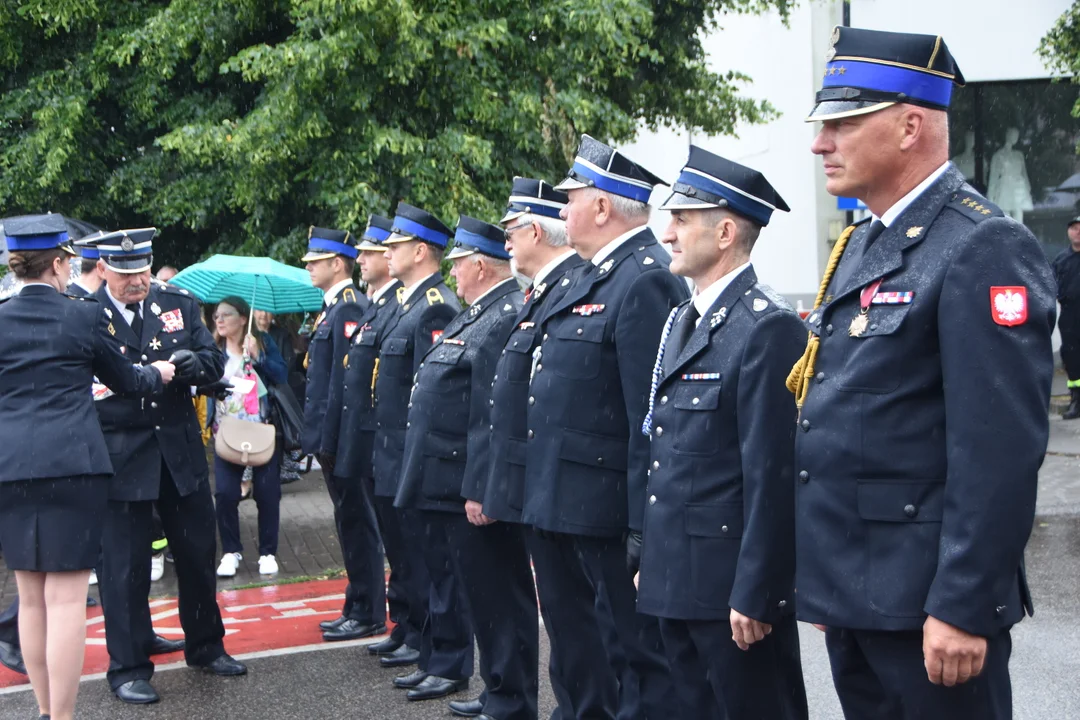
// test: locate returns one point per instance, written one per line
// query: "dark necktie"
(853, 257)
(684, 329)
(136, 321)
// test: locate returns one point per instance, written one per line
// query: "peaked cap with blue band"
(534, 197)
(86, 245)
(603, 167)
(125, 251)
(36, 232)
(710, 181)
(325, 243)
(412, 223)
(870, 70)
(377, 231)
(475, 236)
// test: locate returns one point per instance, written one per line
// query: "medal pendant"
(858, 324)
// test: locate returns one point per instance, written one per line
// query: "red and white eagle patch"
(435, 335)
(1008, 305)
(350, 328)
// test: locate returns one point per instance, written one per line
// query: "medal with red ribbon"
(862, 319)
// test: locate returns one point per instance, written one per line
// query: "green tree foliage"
(231, 125)
(1061, 48)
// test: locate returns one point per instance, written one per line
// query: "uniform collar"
(329, 295)
(76, 282)
(383, 290)
(705, 299)
(34, 284)
(606, 251)
(902, 204)
(492, 290)
(409, 291)
(550, 267)
(119, 305)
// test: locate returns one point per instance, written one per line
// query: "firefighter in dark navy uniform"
(923, 392)
(415, 248)
(330, 259)
(447, 448)
(159, 460)
(89, 279)
(718, 553)
(585, 471)
(1067, 275)
(375, 522)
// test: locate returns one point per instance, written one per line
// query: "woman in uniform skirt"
(54, 463)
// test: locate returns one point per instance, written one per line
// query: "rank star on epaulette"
(607, 265)
(647, 261)
(507, 307)
(717, 317)
(155, 344)
(760, 304)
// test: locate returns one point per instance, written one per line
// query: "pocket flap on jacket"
(901, 500)
(395, 346)
(697, 396)
(444, 446)
(715, 520)
(595, 450)
(589, 329)
(521, 341)
(446, 354)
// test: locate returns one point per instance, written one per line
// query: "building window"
(1016, 143)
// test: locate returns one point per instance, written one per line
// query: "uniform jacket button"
(157, 427)
(656, 465)
(532, 400)
(408, 425)
(599, 461)
(531, 435)
(911, 511)
(454, 453)
(723, 528)
(782, 604)
(652, 499)
(539, 367)
(804, 476)
(805, 425)
(663, 400)
(820, 377)
(829, 329)
(659, 431)
(491, 403)
(153, 404)
(580, 331)
(144, 357)
(1000, 609)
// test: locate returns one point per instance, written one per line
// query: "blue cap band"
(377, 234)
(544, 210)
(929, 88)
(738, 202)
(36, 242)
(421, 231)
(89, 253)
(480, 243)
(611, 185)
(339, 248)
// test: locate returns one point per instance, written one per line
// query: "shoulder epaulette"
(348, 295)
(974, 206)
(434, 297)
(762, 300)
(647, 259)
(84, 298)
(173, 290)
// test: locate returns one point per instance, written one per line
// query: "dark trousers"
(492, 564)
(361, 547)
(407, 588)
(124, 579)
(1069, 327)
(265, 489)
(9, 624)
(881, 675)
(448, 648)
(715, 680)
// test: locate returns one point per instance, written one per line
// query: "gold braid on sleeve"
(798, 380)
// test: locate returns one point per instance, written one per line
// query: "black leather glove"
(633, 552)
(186, 364)
(218, 390)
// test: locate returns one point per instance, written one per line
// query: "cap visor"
(571, 184)
(678, 201)
(398, 238)
(511, 215)
(312, 257)
(371, 246)
(460, 252)
(834, 110)
(69, 250)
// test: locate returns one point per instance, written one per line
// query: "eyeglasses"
(225, 315)
(507, 231)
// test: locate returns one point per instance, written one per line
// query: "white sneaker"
(157, 566)
(268, 565)
(229, 563)
(315, 464)
(93, 577)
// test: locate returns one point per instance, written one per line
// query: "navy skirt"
(53, 525)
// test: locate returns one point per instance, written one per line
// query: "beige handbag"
(243, 442)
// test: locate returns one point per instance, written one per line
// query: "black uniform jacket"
(502, 493)
(405, 339)
(51, 347)
(140, 433)
(448, 442)
(585, 470)
(919, 444)
(357, 439)
(326, 370)
(720, 513)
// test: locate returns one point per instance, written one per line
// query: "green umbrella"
(265, 283)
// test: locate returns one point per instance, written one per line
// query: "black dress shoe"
(137, 692)
(11, 658)
(436, 687)
(401, 657)
(162, 646)
(354, 630)
(333, 624)
(406, 682)
(466, 708)
(385, 647)
(90, 602)
(224, 666)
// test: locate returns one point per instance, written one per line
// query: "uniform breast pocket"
(394, 361)
(517, 356)
(445, 354)
(174, 341)
(881, 344)
(696, 417)
(582, 340)
(365, 338)
(902, 520)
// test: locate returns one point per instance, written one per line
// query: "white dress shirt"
(704, 299)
